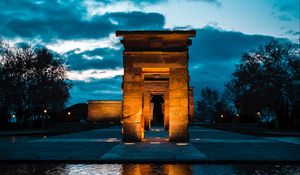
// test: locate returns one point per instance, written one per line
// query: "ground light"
(181, 144)
(129, 143)
(112, 140)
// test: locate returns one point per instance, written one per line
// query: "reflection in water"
(86, 169)
(147, 169)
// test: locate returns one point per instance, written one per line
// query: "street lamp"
(258, 113)
(69, 113)
(222, 116)
(45, 111)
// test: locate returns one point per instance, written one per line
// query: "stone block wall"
(104, 110)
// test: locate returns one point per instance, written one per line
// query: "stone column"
(178, 104)
(146, 110)
(132, 105)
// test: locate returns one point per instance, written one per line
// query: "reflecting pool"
(147, 169)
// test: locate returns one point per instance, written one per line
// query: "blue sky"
(83, 33)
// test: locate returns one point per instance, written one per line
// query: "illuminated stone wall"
(155, 63)
(104, 110)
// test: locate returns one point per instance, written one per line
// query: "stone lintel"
(155, 52)
(156, 40)
(155, 32)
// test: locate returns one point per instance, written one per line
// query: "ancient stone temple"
(156, 83)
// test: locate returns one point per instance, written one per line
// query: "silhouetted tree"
(214, 107)
(267, 81)
(208, 100)
(32, 80)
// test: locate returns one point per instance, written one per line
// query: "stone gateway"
(155, 85)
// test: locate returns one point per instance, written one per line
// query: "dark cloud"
(137, 20)
(287, 9)
(292, 32)
(74, 28)
(30, 18)
(52, 20)
(104, 89)
(216, 45)
(137, 2)
(213, 2)
(111, 59)
(151, 2)
(188, 27)
(214, 54)
(113, 84)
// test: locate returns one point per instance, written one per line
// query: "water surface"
(145, 169)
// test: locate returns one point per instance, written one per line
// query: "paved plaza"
(105, 145)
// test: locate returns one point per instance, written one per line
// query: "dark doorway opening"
(158, 115)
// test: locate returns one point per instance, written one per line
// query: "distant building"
(104, 110)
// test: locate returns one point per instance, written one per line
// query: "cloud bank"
(85, 37)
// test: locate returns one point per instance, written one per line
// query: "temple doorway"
(157, 105)
(156, 132)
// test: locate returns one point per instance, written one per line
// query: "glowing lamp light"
(258, 113)
(237, 115)
(112, 140)
(181, 144)
(69, 113)
(222, 116)
(13, 116)
(45, 111)
(129, 143)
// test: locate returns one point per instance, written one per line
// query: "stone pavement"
(105, 146)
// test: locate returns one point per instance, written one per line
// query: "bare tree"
(32, 80)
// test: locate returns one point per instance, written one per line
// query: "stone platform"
(105, 146)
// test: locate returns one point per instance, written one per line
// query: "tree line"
(265, 87)
(33, 82)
